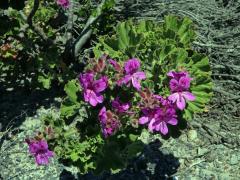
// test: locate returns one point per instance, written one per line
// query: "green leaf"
(134, 148)
(74, 156)
(68, 108)
(133, 137)
(171, 22)
(71, 88)
(45, 81)
(123, 31)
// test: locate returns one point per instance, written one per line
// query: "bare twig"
(70, 21)
(232, 97)
(231, 76)
(216, 46)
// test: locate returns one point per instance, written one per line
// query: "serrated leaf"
(69, 108)
(74, 156)
(45, 81)
(71, 89)
(133, 137)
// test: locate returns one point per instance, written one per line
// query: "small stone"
(192, 135)
(234, 160)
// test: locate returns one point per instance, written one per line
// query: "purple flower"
(180, 98)
(93, 88)
(39, 149)
(109, 122)
(158, 119)
(63, 3)
(119, 106)
(179, 85)
(86, 79)
(131, 66)
(148, 115)
(132, 74)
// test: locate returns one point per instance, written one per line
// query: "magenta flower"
(132, 74)
(109, 122)
(179, 86)
(148, 116)
(93, 88)
(39, 149)
(180, 98)
(63, 3)
(158, 119)
(119, 106)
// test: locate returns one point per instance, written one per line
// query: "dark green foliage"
(42, 37)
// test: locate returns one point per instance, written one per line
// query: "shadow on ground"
(20, 103)
(152, 164)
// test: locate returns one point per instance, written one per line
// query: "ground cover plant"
(135, 77)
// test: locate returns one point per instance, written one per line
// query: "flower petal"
(173, 121)
(100, 85)
(163, 128)
(93, 98)
(119, 106)
(170, 74)
(140, 75)
(50, 153)
(86, 79)
(136, 83)
(131, 66)
(173, 97)
(103, 115)
(43, 144)
(124, 80)
(41, 159)
(173, 84)
(150, 125)
(184, 82)
(188, 96)
(33, 147)
(181, 102)
(143, 120)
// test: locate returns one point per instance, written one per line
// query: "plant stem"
(87, 31)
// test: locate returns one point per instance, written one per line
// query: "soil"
(209, 148)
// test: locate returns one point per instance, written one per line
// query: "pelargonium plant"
(143, 78)
(115, 94)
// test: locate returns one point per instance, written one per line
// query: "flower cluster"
(179, 85)
(155, 111)
(109, 122)
(39, 149)
(93, 88)
(119, 106)
(132, 75)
